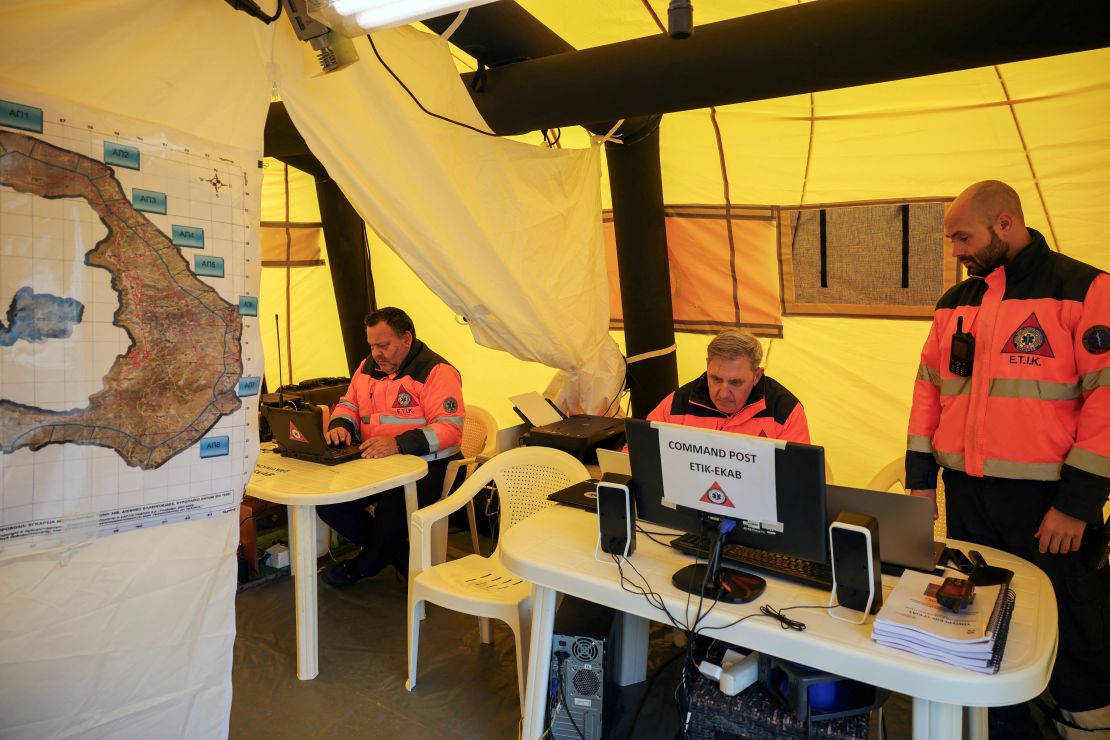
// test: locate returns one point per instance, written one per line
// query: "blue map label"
(248, 385)
(121, 155)
(248, 305)
(215, 447)
(209, 266)
(23, 117)
(187, 236)
(148, 200)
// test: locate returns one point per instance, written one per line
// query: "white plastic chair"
(480, 585)
(894, 474)
(479, 443)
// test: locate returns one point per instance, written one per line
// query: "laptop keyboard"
(818, 575)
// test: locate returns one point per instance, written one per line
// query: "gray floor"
(464, 690)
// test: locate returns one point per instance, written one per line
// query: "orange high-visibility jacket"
(421, 404)
(771, 411)
(1037, 403)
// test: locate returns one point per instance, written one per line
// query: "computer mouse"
(740, 587)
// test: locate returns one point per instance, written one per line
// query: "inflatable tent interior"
(601, 201)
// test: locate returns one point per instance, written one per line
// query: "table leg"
(304, 584)
(937, 721)
(539, 661)
(977, 723)
(630, 650)
(411, 505)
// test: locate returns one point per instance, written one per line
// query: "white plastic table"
(302, 486)
(554, 549)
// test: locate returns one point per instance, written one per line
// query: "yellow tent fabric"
(1041, 125)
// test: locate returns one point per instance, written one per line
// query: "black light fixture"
(680, 19)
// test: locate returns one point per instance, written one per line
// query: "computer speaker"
(857, 579)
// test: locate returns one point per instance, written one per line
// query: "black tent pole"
(349, 260)
(636, 183)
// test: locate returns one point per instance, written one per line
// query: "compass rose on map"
(215, 182)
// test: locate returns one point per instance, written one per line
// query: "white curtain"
(506, 234)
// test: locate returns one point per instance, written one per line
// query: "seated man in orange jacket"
(734, 395)
(404, 398)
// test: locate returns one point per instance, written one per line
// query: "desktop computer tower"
(581, 662)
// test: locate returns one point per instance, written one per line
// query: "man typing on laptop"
(403, 399)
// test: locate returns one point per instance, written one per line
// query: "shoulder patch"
(450, 405)
(1096, 339)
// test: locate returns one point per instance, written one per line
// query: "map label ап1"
(23, 117)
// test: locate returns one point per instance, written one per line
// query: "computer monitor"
(798, 526)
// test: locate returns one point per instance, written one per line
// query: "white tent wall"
(130, 636)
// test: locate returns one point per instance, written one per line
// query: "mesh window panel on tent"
(865, 259)
(723, 267)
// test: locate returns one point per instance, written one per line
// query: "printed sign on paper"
(726, 474)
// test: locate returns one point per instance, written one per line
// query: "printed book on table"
(973, 638)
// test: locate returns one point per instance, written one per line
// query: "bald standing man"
(1012, 400)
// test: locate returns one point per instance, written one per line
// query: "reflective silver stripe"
(1029, 388)
(1089, 462)
(1021, 470)
(349, 405)
(366, 419)
(414, 421)
(919, 443)
(433, 440)
(950, 460)
(441, 454)
(924, 372)
(456, 420)
(1096, 379)
(955, 387)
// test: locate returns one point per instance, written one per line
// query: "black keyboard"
(818, 575)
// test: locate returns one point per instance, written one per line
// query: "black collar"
(376, 373)
(1029, 258)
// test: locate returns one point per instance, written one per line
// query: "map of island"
(180, 373)
(37, 317)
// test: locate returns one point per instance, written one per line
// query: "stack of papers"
(973, 638)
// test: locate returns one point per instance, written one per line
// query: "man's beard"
(984, 262)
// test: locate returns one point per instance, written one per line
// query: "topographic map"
(182, 370)
(129, 356)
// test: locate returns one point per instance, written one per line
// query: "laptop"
(300, 433)
(583, 495)
(905, 524)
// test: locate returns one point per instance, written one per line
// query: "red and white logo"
(716, 495)
(1029, 339)
(295, 434)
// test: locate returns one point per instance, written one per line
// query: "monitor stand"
(713, 582)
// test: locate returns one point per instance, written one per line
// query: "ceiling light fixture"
(357, 17)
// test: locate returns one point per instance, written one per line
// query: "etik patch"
(1028, 339)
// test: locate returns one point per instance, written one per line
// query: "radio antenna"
(281, 383)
